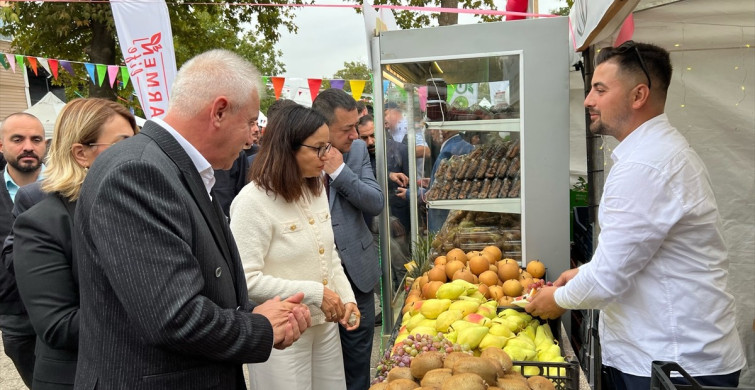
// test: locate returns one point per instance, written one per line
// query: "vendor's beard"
(25, 168)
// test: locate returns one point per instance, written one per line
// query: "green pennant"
(4, 62)
(20, 61)
(265, 80)
(101, 73)
(124, 76)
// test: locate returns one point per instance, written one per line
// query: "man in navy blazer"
(164, 303)
(353, 192)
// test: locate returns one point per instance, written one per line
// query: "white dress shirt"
(660, 269)
(203, 166)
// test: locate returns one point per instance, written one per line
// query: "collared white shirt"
(660, 269)
(200, 163)
(11, 185)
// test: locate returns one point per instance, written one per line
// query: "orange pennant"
(33, 63)
(314, 87)
(278, 86)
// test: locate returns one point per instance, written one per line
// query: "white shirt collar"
(200, 163)
(626, 146)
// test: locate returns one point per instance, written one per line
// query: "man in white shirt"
(659, 272)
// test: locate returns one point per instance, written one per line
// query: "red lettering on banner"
(150, 62)
(153, 46)
(152, 80)
(155, 96)
(156, 111)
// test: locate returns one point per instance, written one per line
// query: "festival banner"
(147, 45)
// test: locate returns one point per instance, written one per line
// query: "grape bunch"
(401, 354)
(535, 287)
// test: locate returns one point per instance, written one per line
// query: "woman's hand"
(351, 308)
(331, 305)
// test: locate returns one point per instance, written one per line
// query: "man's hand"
(399, 178)
(351, 308)
(288, 318)
(401, 192)
(544, 305)
(565, 277)
(331, 305)
(335, 159)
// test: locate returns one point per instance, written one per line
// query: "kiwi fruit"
(436, 377)
(480, 366)
(402, 384)
(425, 362)
(500, 355)
(379, 386)
(540, 383)
(452, 357)
(464, 381)
(399, 373)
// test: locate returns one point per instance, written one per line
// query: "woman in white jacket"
(281, 223)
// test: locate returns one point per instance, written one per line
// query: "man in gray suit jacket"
(353, 193)
(163, 298)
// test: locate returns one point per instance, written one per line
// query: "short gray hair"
(211, 74)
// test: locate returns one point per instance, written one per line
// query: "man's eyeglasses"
(321, 150)
(629, 45)
(93, 144)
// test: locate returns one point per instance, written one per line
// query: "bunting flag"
(357, 87)
(314, 87)
(4, 62)
(386, 84)
(53, 67)
(43, 63)
(90, 70)
(338, 84)
(626, 31)
(101, 71)
(20, 61)
(124, 76)
(11, 61)
(112, 73)
(265, 80)
(278, 86)
(68, 67)
(33, 64)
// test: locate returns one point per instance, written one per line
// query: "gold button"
(293, 227)
(325, 282)
(311, 221)
(322, 250)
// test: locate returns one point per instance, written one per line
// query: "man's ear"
(78, 151)
(220, 109)
(640, 96)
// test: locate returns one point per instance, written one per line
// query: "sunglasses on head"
(629, 45)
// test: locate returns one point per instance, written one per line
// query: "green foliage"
(354, 70)
(413, 19)
(85, 32)
(580, 185)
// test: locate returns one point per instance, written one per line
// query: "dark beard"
(24, 168)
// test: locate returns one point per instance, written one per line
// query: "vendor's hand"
(401, 192)
(331, 305)
(335, 159)
(543, 304)
(565, 277)
(351, 308)
(399, 178)
(423, 182)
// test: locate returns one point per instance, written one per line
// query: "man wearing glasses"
(353, 192)
(659, 273)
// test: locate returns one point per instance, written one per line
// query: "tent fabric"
(711, 101)
(47, 110)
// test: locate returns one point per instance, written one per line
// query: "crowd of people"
(169, 256)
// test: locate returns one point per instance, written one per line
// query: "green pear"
(491, 340)
(433, 307)
(447, 318)
(501, 330)
(414, 321)
(472, 336)
(466, 307)
(450, 291)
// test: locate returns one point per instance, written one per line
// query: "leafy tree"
(563, 11)
(353, 70)
(83, 31)
(411, 19)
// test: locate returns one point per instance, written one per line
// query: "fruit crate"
(553, 371)
(660, 378)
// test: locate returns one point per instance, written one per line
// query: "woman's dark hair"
(275, 168)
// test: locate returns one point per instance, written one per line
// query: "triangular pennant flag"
(68, 67)
(101, 71)
(112, 73)
(11, 61)
(4, 62)
(33, 64)
(265, 80)
(357, 86)
(314, 87)
(124, 76)
(278, 86)
(20, 61)
(53, 67)
(386, 84)
(626, 31)
(90, 70)
(338, 84)
(43, 62)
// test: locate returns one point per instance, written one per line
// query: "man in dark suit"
(163, 298)
(22, 142)
(353, 192)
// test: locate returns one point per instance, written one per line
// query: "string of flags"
(98, 73)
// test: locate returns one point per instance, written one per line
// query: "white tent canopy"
(47, 110)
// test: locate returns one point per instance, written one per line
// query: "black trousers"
(624, 381)
(20, 349)
(356, 345)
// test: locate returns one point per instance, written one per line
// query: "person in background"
(43, 250)
(22, 143)
(453, 144)
(660, 269)
(362, 108)
(353, 192)
(397, 126)
(286, 245)
(164, 303)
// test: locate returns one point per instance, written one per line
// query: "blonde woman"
(43, 258)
